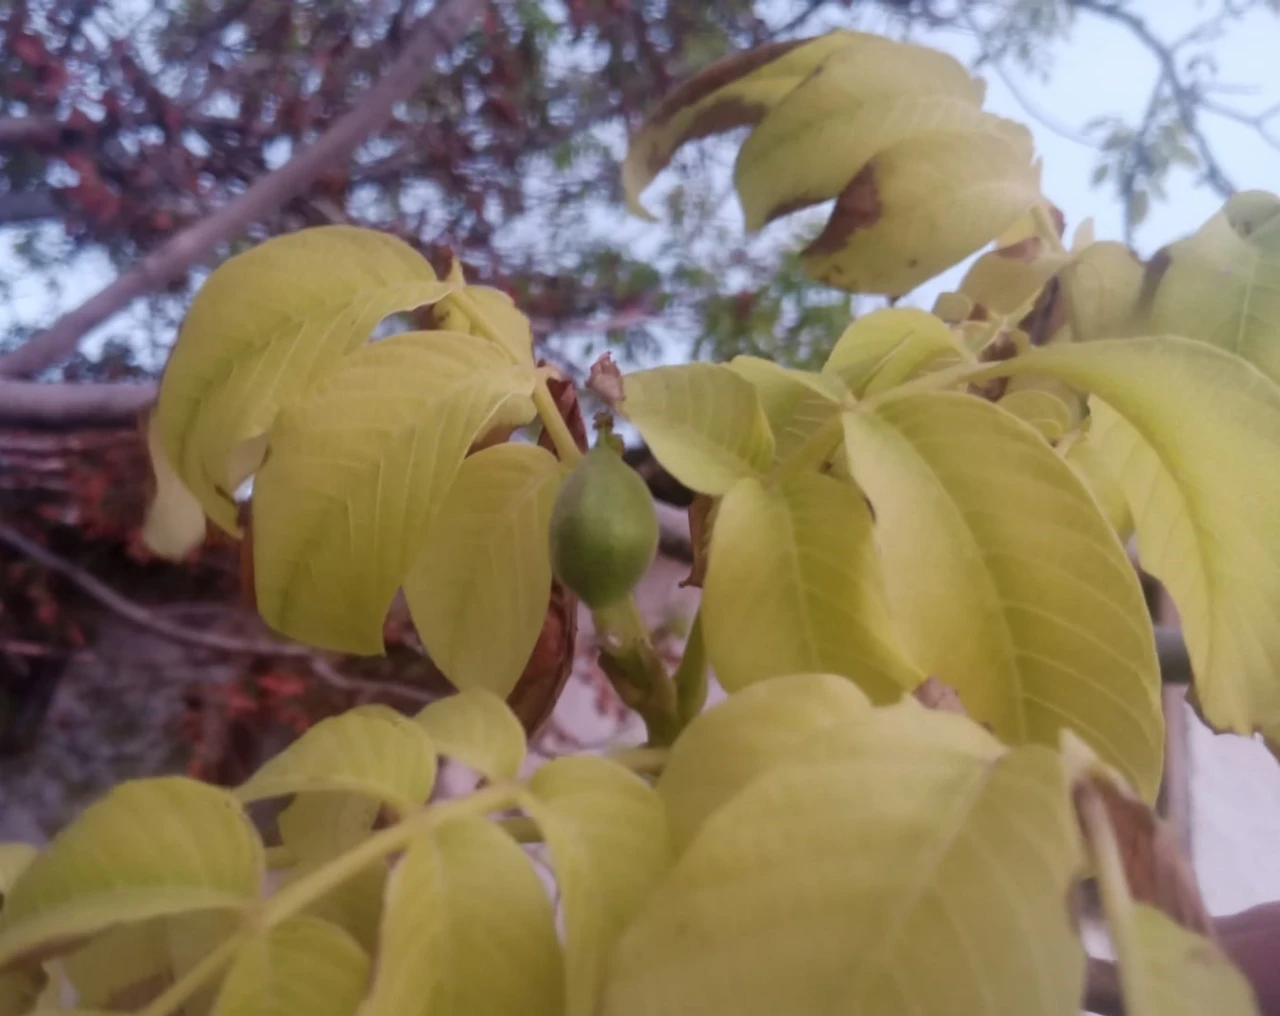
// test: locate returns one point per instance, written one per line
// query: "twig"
(1183, 97)
(149, 620)
(437, 32)
(33, 402)
(1102, 993)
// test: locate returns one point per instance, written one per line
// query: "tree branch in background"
(65, 405)
(201, 638)
(436, 33)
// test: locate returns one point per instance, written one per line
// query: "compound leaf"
(909, 881)
(1193, 441)
(702, 421)
(301, 967)
(150, 847)
(374, 752)
(795, 402)
(478, 591)
(1222, 283)
(793, 585)
(607, 834)
(478, 729)
(1006, 581)
(730, 93)
(468, 928)
(888, 346)
(922, 205)
(262, 328)
(356, 472)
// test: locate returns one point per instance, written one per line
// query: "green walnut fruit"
(604, 530)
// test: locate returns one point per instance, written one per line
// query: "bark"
(436, 33)
(70, 405)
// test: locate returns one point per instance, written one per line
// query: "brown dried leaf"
(700, 519)
(605, 381)
(535, 695)
(938, 695)
(1157, 872)
(566, 395)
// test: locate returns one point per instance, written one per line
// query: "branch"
(42, 132)
(201, 638)
(31, 402)
(1184, 97)
(437, 32)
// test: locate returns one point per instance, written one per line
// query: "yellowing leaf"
(733, 92)
(899, 884)
(860, 101)
(376, 753)
(123, 968)
(886, 347)
(14, 858)
(477, 729)
(1193, 443)
(357, 470)
(1184, 974)
(1005, 580)
(468, 930)
(150, 847)
(793, 586)
(1006, 279)
(1042, 409)
(301, 967)
(795, 402)
(1103, 284)
(1083, 456)
(609, 845)
(483, 310)
(922, 205)
(175, 519)
(702, 421)
(264, 326)
(1222, 283)
(742, 737)
(478, 590)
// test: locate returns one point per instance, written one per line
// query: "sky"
(1100, 69)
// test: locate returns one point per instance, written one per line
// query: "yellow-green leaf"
(478, 590)
(175, 521)
(1222, 283)
(742, 737)
(733, 92)
(1184, 974)
(1042, 409)
(1193, 443)
(1005, 579)
(795, 402)
(264, 326)
(477, 729)
(899, 883)
(1083, 456)
(14, 858)
(923, 205)
(1007, 279)
(301, 967)
(886, 347)
(609, 845)
(357, 470)
(794, 586)
(373, 752)
(702, 421)
(1103, 284)
(483, 310)
(123, 968)
(859, 102)
(150, 847)
(468, 929)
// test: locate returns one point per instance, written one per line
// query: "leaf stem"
(196, 978)
(636, 672)
(1117, 904)
(566, 447)
(297, 896)
(691, 676)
